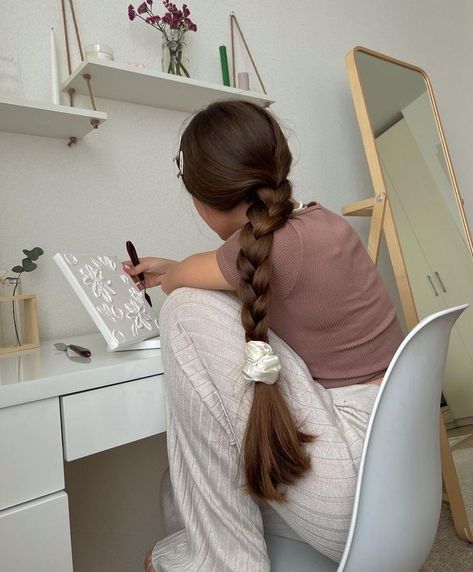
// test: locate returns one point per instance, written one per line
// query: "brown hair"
(235, 152)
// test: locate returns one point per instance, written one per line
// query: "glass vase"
(11, 314)
(174, 59)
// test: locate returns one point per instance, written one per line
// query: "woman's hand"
(197, 271)
(148, 564)
(152, 268)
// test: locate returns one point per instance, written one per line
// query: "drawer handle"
(432, 285)
(440, 281)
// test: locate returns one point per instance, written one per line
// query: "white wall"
(119, 183)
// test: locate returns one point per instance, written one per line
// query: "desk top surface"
(46, 372)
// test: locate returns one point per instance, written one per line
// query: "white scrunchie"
(262, 364)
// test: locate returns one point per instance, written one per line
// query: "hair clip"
(179, 162)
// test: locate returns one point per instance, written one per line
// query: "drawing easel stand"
(382, 221)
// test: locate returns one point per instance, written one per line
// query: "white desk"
(51, 409)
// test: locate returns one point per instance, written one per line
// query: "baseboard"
(464, 421)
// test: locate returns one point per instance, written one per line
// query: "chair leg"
(452, 486)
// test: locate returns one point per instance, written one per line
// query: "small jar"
(100, 51)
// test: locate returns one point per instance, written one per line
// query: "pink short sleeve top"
(329, 303)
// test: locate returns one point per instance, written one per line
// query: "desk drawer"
(35, 536)
(31, 463)
(100, 419)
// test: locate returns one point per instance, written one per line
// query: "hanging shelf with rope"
(124, 82)
(94, 121)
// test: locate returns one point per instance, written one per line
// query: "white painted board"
(111, 298)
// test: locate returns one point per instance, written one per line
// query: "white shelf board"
(123, 82)
(46, 119)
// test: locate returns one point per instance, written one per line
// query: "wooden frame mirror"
(418, 206)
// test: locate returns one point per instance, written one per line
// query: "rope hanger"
(94, 122)
(233, 23)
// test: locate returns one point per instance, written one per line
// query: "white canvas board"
(110, 296)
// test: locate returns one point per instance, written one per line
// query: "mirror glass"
(428, 218)
(394, 93)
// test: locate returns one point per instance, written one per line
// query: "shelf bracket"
(94, 122)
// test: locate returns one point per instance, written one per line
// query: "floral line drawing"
(118, 336)
(70, 259)
(93, 277)
(111, 311)
(108, 262)
(136, 312)
(137, 295)
(115, 303)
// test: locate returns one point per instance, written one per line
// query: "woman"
(265, 427)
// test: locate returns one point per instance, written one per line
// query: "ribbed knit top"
(329, 303)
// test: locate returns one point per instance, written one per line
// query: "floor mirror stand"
(382, 222)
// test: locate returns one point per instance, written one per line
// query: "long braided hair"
(235, 152)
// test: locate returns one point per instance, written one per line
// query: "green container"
(224, 64)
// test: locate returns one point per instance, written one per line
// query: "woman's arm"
(197, 271)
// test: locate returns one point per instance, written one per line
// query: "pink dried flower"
(173, 19)
(142, 8)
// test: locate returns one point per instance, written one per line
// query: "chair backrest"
(398, 496)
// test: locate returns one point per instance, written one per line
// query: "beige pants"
(213, 525)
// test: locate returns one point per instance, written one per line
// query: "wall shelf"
(45, 119)
(122, 82)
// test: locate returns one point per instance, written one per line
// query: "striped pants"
(213, 525)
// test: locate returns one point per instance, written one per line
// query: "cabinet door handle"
(440, 281)
(432, 284)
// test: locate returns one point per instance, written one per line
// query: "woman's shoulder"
(318, 223)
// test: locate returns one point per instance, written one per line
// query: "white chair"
(398, 494)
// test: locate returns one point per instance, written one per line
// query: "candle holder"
(23, 332)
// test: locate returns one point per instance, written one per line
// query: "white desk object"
(112, 299)
(52, 408)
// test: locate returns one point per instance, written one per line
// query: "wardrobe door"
(427, 295)
(432, 247)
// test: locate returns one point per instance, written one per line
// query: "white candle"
(54, 74)
(244, 80)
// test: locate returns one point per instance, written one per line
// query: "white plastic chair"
(399, 489)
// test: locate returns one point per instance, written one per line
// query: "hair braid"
(269, 211)
(236, 153)
(273, 452)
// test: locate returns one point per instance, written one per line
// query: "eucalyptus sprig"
(28, 263)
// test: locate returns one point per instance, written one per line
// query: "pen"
(135, 261)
